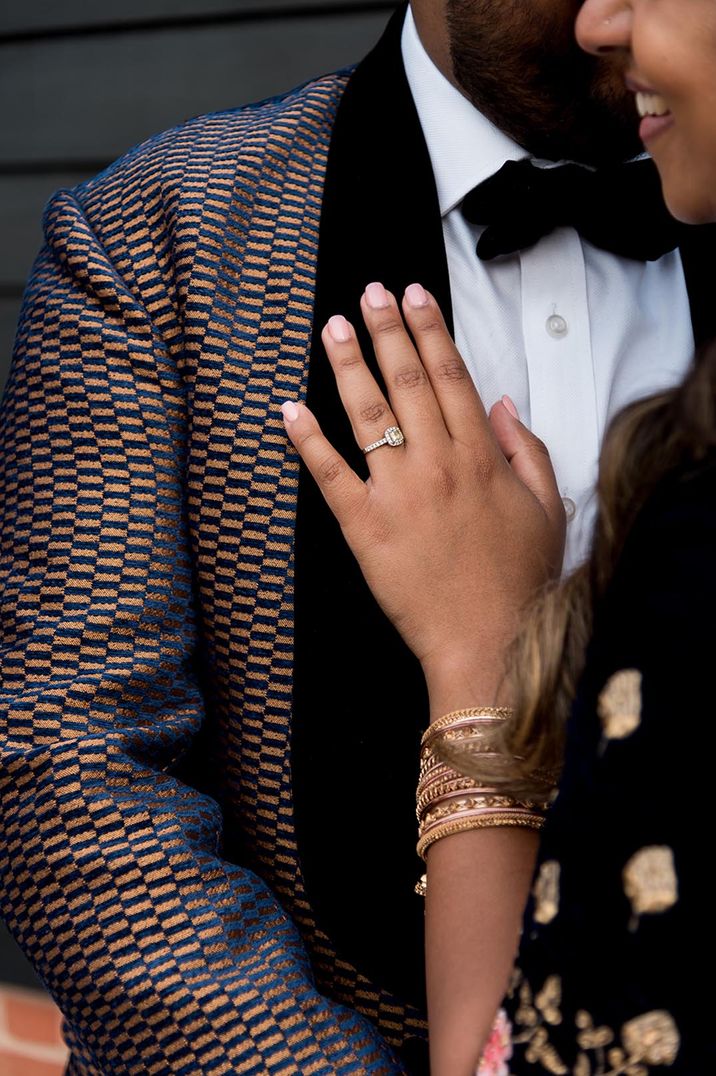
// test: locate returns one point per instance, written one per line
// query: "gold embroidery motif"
(531, 1016)
(546, 892)
(653, 1038)
(540, 1052)
(591, 1037)
(549, 999)
(650, 880)
(526, 1015)
(650, 1039)
(619, 705)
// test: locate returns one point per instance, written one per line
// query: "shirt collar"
(465, 148)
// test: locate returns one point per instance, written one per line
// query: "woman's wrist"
(458, 683)
(466, 676)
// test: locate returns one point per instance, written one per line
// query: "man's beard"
(531, 79)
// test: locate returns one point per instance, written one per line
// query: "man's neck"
(465, 147)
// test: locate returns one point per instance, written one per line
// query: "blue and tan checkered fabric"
(148, 497)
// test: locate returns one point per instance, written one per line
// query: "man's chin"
(610, 147)
(559, 111)
(600, 153)
(596, 124)
(593, 137)
(611, 118)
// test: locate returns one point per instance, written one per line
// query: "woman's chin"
(690, 211)
(690, 202)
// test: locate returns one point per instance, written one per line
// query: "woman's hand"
(456, 528)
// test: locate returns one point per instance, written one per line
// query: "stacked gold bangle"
(448, 802)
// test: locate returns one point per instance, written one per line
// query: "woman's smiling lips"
(653, 109)
(652, 126)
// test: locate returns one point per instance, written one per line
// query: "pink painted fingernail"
(339, 329)
(377, 297)
(416, 295)
(289, 410)
(509, 406)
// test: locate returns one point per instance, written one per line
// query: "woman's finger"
(369, 412)
(528, 457)
(345, 493)
(459, 401)
(409, 388)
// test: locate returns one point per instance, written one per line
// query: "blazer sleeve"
(162, 956)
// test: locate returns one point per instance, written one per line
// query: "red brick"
(15, 1064)
(31, 1017)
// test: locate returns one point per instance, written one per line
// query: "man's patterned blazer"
(208, 731)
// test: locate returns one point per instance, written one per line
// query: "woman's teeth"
(651, 104)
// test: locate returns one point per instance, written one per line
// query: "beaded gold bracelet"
(450, 802)
(517, 819)
(477, 799)
(459, 718)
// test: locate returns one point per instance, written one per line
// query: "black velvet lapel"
(359, 698)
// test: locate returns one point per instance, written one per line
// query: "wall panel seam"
(178, 22)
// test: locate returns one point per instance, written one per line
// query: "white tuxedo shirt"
(570, 332)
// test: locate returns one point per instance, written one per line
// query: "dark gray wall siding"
(92, 98)
(39, 16)
(83, 80)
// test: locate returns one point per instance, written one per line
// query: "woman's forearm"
(478, 883)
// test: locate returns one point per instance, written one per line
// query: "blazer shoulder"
(311, 106)
(195, 151)
(205, 167)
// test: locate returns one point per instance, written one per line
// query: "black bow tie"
(620, 208)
